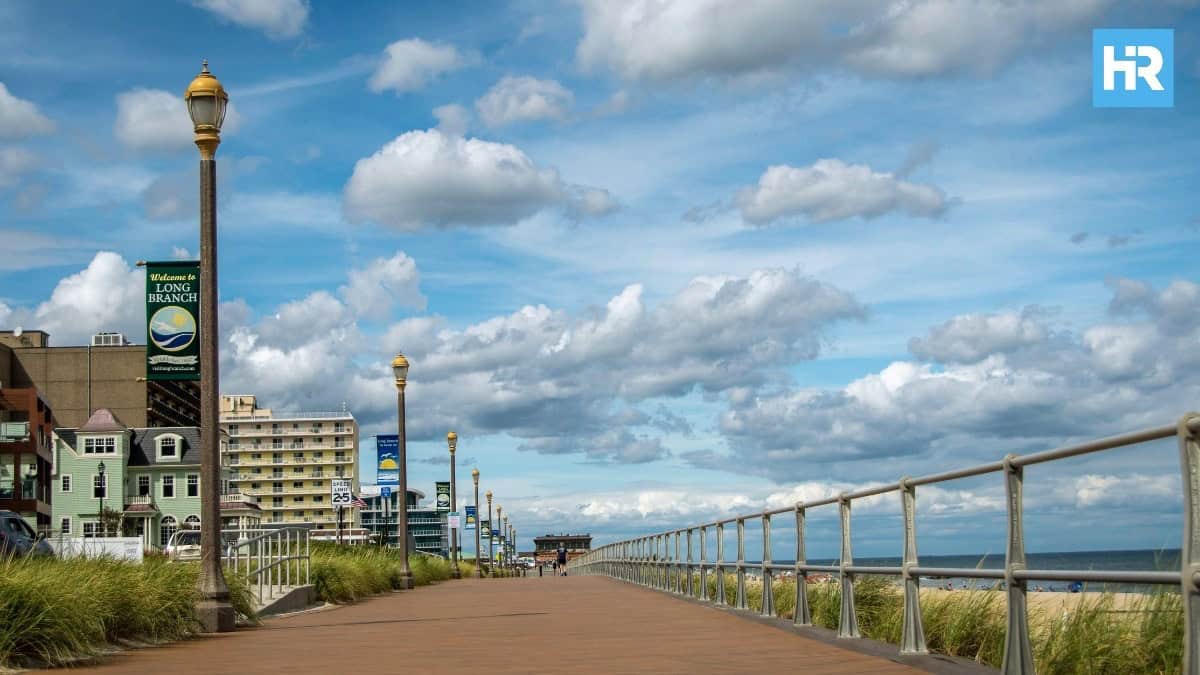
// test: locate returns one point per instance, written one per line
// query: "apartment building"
(286, 461)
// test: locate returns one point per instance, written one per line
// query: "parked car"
(17, 538)
(183, 545)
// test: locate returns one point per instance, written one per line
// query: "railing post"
(740, 601)
(1189, 455)
(720, 563)
(678, 566)
(1018, 655)
(912, 635)
(768, 591)
(803, 615)
(848, 620)
(691, 586)
(703, 558)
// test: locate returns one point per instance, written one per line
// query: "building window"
(339, 427)
(299, 514)
(275, 428)
(339, 442)
(193, 485)
(233, 460)
(297, 469)
(298, 484)
(100, 486)
(168, 447)
(65, 526)
(90, 529)
(166, 528)
(276, 517)
(235, 444)
(298, 456)
(100, 446)
(276, 501)
(233, 430)
(318, 498)
(143, 486)
(256, 455)
(318, 483)
(65, 483)
(276, 443)
(254, 486)
(192, 522)
(297, 500)
(168, 486)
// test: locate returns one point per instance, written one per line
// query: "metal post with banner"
(442, 490)
(172, 308)
(340, 499)
(387, 467)
(470, 523)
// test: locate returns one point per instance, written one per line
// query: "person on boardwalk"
(561, 561)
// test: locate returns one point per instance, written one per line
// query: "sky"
(655, 261)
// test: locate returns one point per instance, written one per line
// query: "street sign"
(341, 492)
(386, 492)
(453, 520)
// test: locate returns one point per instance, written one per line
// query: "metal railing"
(652, 560)
(270, 559)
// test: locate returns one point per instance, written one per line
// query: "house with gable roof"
(149, 477)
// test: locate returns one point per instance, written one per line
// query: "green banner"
(172, 320)
(443, 496)
(485, 529)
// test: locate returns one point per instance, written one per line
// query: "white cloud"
(1093, 490)
(157, 120)
(96, 299)
(373, 291)
(408, 65)
(677, 39)
(970, 338)
(181, 253)
(431, 178)
(832, 190)
(453, 119)
(277, 18)
(20, 118)
(523, 99)
(1008, 382)
(15, 162)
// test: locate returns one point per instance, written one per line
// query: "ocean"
(1146, 560)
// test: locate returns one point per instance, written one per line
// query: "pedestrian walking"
(561, 560)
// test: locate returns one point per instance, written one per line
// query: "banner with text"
(485, 529)
(470, 518)
(172, 320)
(387, 451)
(442, 489)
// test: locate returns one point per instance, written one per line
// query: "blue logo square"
(1133, 68)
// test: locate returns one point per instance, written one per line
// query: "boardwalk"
(546, 625)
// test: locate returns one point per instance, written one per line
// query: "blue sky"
(654, 261)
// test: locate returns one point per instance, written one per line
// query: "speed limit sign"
(341, 492)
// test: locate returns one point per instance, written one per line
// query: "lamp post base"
(455, 573)
(216, 615)
(406, 581)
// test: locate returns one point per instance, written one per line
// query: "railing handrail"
(648, 559)
(266, 554)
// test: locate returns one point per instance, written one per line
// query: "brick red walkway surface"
(531, 625)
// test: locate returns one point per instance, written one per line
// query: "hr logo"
(1133, 68)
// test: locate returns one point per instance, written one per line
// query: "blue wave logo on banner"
(172, 328)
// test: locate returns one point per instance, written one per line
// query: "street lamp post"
(455, 573)
(400, 370)
(206, 102)
(100, 502)
(478, 562)
(503, 534)
(507, 546)
(491, 539)
(516, 553)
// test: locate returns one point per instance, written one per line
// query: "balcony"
(236, 500)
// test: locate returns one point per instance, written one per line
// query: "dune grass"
(53, 611)
(56, 611)
(343, 574)
(1144, 636)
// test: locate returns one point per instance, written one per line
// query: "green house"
(149, 486)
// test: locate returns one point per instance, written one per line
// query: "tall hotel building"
(285, 461)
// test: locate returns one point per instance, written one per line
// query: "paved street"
(548, 625)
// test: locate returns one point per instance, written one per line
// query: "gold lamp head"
(400, 370)
(488, 494)
(207, 102)
(452, 441)
(475, 476)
